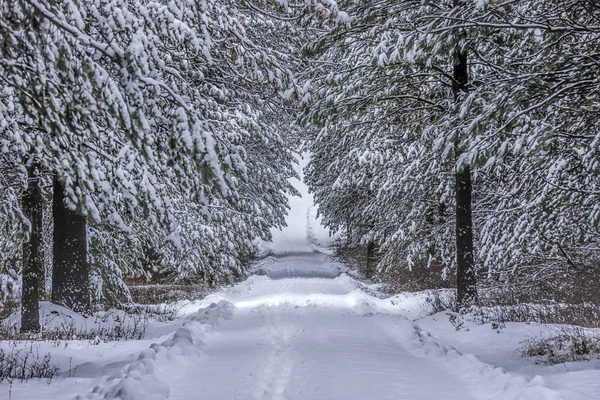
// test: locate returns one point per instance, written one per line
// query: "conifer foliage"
(148, 115)
(456, 130)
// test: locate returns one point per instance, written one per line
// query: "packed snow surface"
(303, 328)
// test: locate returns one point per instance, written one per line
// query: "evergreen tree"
(541, 116)
(152, 120)
(389, 78)
(480, 88)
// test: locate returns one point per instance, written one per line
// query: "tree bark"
(465, 275)
(33, 260)
(370, 259)
(70, 271)
(466, 285)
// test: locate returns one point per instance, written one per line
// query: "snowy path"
(299, 338)
(317, 338)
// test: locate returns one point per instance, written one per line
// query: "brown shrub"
(399, 278)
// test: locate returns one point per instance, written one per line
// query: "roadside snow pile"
(138, 381)
(485, 380)
(512, 346)
(211, 314)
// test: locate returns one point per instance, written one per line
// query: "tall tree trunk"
(33, 260)
(70, 271)
(370, 259)
(466, 280)
(465, 274)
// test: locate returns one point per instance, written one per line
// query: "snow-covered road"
(323, 337)
(301, 328)
(311, 338)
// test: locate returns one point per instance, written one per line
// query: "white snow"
(302, 328)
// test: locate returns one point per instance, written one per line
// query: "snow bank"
(483, 380)
(138, 381)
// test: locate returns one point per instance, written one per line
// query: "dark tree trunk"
(370, 259)
(33, 260)
(466, 285)
(465, 274)
(70, 272)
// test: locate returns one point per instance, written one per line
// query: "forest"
(452, 147)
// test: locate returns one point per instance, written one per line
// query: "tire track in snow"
(274, 379)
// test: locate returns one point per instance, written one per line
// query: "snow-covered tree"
(384, 78)
(541, 128)
(470, 88)
(149, 111)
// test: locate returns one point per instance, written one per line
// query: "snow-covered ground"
(322, 337)
(301, 328)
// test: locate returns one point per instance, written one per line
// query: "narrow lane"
(310, 338)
